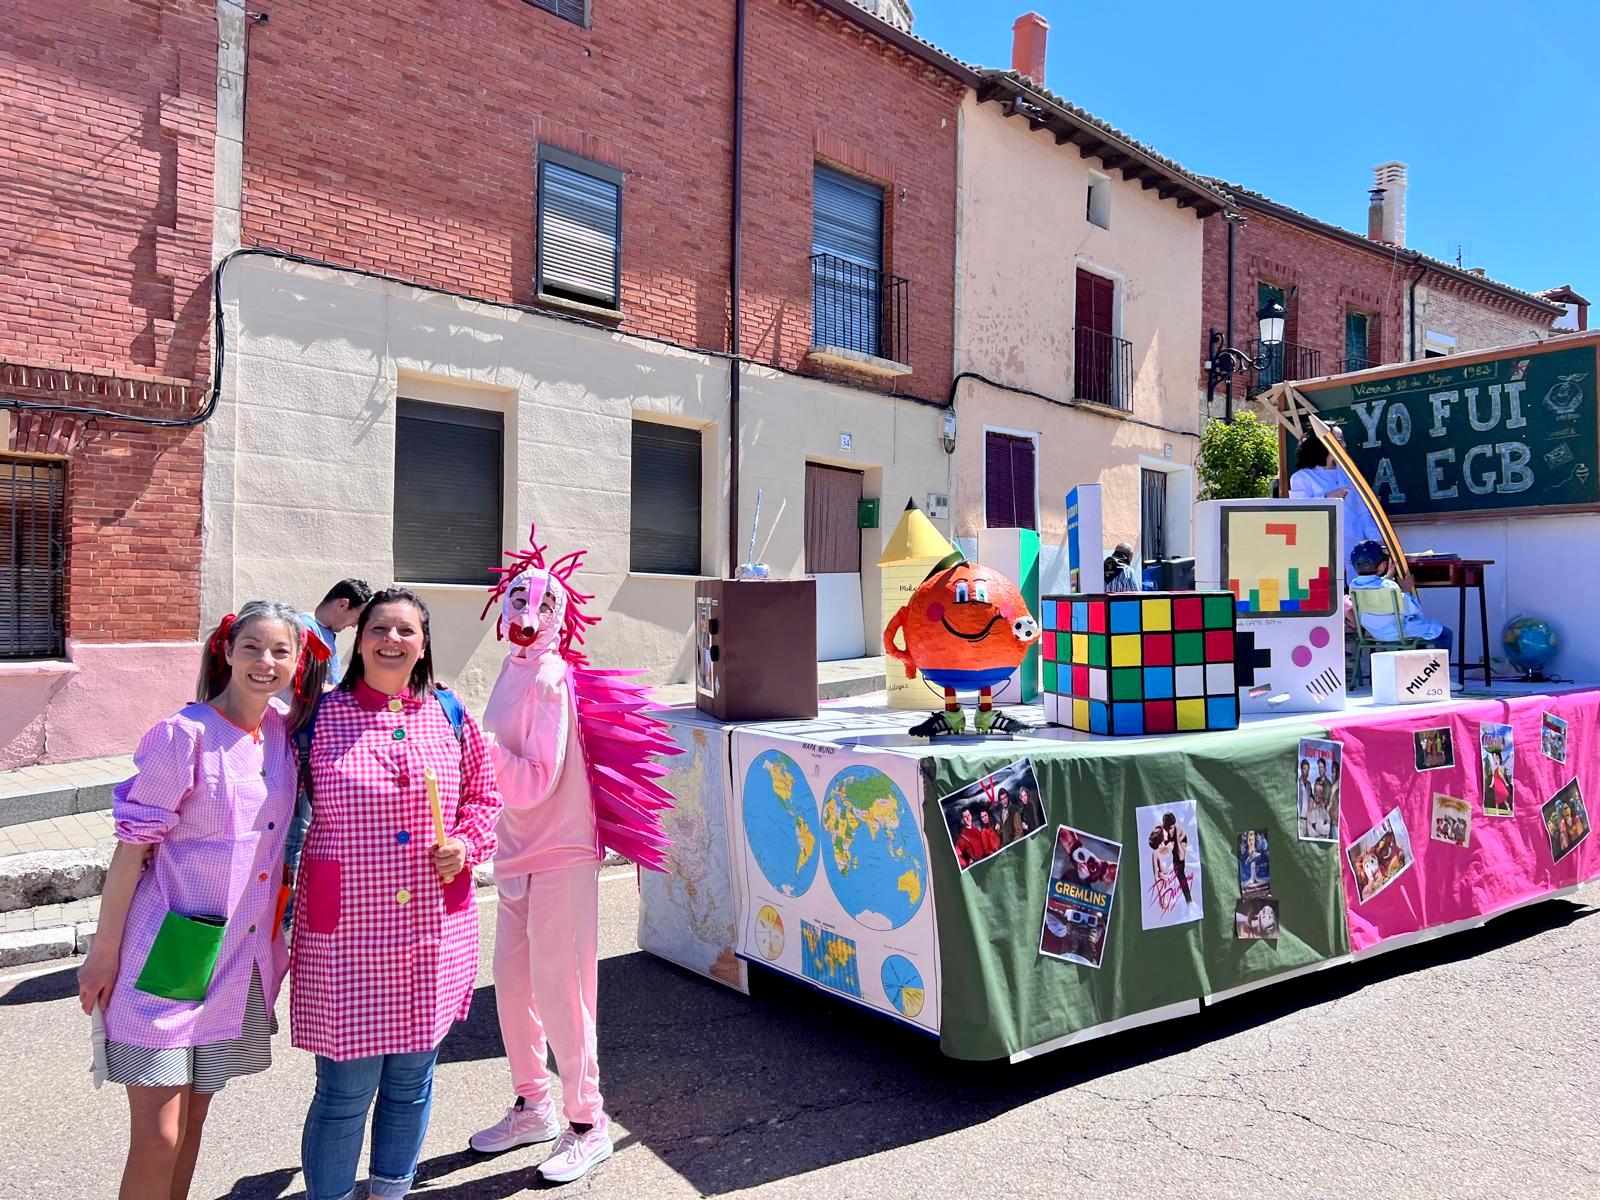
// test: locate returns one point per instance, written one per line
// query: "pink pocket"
(458, 892)
(320, 887)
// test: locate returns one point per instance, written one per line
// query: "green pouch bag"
(183, 957)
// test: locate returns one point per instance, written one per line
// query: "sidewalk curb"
(42, 877)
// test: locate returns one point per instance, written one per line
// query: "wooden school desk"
(1461, 574)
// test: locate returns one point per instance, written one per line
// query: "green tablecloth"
(1001, 996)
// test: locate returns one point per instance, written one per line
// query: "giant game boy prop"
(1280, 559)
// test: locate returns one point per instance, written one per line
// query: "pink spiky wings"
(622, 743)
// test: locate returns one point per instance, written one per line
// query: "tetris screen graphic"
(1141, 662)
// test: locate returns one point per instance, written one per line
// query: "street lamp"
(1224, 361)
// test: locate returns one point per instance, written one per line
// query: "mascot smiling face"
(966, 629)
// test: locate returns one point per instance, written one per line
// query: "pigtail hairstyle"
(421, 681)
(215, 672)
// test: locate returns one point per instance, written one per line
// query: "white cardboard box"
(1410, 676)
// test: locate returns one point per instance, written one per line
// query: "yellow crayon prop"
(432, 781)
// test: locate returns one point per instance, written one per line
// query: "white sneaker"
(521, 1126)
(575, 1154)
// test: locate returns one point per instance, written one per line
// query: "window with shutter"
(1273, 358)
(449, 515)
(847, 242)
(580, 229)
(1009, 475)
(664, 534)
(33, 553)
(576, 11)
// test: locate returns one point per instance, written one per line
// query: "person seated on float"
(1371, 562)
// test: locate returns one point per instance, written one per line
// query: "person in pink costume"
(574, 752)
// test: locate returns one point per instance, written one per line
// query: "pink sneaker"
(521, 1126)
(575, 1154)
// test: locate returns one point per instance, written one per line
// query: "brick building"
(523, 311)
(1351, 301)
(107, 117)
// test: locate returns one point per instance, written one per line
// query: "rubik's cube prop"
(1141, 662)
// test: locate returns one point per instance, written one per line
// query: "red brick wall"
(107, 122)
(1324, 278)
(401, 137)
(819, 89)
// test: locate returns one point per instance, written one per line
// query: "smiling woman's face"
(391, 644)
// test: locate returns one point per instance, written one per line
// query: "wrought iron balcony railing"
(1286, 360)
(1102, 368)
(858, 308)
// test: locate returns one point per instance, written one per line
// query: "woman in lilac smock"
(185, 964)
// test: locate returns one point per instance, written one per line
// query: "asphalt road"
(1462, 1068)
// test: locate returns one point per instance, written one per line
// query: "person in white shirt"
(1318, 477)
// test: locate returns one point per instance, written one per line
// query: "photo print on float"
(994, 813)
(1077, 906)
(1316, 789)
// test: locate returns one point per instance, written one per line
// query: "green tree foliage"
(1238, 458)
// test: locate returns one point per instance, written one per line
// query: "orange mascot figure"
(966, 628)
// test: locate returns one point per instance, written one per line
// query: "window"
(1357, 341)
(580, 229)
(664, 535)
(847, 263)
(449, 522)
(33, 551)
(576, 11)
(1152, 514)
(1098, 207)
(1008, 481)
(1102, 363)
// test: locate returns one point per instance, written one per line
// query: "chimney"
(1391, 177)
(1375, 214)
(1028, 33)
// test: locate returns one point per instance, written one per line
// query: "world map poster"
(688, 913)
(834, 878)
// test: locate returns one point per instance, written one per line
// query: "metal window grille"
(33, 523)
(857, 308)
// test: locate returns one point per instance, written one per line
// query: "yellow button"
(395, 705)
(402, 896)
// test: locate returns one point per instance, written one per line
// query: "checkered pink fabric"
(384, 954)
(216, 805)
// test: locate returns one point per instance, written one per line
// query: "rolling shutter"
(664, 536)
(580, 228)
(567, 10)
(448, 493)
(846, 228)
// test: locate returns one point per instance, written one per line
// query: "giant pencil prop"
(1288, 405)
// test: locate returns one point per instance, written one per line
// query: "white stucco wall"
(1541, 569)
(300, 457)
(1023, 234)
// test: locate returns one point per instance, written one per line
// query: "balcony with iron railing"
(1357, 364)
(1102, 368)
(859, 317)
(1285, 361)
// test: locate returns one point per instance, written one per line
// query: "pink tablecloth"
(1508, 860)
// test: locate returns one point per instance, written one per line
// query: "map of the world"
(874, 852)
(780, 822)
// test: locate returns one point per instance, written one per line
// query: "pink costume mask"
(519, 612)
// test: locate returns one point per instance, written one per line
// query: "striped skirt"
(205, 1068)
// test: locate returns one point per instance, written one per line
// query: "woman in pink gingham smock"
(186, 964)
(385, 947)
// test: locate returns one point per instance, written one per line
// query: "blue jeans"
(330, 1146)
(1444, 641)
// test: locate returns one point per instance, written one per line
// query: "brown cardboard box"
(756, 649)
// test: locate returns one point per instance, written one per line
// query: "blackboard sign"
(1513, 432)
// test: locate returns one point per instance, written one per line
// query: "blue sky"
(1495, 107)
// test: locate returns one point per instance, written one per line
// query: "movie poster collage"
(989, 816)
